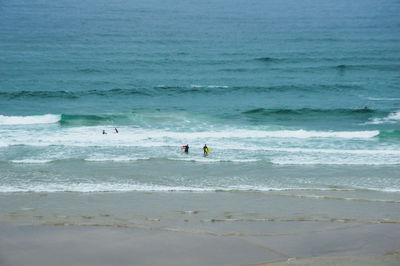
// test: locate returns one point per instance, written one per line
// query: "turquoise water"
(287, 94)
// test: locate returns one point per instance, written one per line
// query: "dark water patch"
(38, 94)
(237, 70)
(266, 59)
(97, 92)
(216, 89)
(174, 91)
(195, 89)
(310, 111)
(72, 94)
(89, 70)
(129, 92)
(382, 67)
(117, 91)
(307, 113)
(307, 88)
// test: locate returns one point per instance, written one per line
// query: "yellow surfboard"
(207, 149)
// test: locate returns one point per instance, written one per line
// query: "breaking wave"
(391, 118)
(29, 120)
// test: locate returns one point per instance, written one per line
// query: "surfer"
(104, 132)
(186, 148)
(116, 130)
(205, 149)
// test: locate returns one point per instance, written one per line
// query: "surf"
(391, 118)
(29, 120)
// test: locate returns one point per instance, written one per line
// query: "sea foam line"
(280, 161)
(31, 161)
(125, 187)
(383, 99)
(301, 133)
(29, 120)
(334, 151)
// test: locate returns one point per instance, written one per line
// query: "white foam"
(209, 160)
(390, 119)
(383, 99)
(331, 161)
(209, 86)
(99, 187)
(31, 161)
(124, 187)
(302, 134)
(335, 151)
(246, 134)
(115, 159)
(139, 137)
(217, 86)
(29, 120)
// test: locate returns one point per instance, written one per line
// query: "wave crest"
(392, 118)
(29, 120)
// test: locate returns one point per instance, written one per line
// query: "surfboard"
(207, 149)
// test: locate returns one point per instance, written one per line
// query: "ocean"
(295, 97)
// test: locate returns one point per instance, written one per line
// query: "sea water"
(288, 95)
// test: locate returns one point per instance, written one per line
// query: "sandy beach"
(194, 229)
(94, 245)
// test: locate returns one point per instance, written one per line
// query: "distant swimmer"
(116, 130)
(186, 148)
(104, 132)
(205, 149)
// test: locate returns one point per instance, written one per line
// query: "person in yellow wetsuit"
(205, 149)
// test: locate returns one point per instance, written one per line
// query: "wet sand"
(90, 245)
(228, 228)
